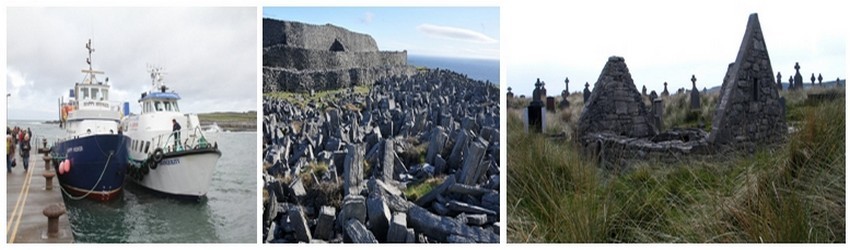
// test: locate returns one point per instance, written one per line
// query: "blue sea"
(478, 69)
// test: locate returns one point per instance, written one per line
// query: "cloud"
(367, 17)
(455, 33)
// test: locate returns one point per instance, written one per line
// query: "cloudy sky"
(460, 32)
(209, 54)
(665, 40)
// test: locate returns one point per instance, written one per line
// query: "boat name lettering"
(76, 149)
(170, 161)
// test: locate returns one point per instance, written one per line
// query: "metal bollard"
(53, 212)
(48, 179)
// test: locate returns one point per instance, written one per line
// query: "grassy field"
(232, 121)
(788, 193)
(321, 97)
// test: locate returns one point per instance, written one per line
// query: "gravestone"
(653, 96)
(550, 103)
(779, 80)
(510, 94)
(813, 79)
(791, 83)
(566, 93)
(535, 110)
(615, 105)
(694, 94)
(665, 93)
(657, 112)
(798, 78)
(838, 82)
(586, 92)
(820, 80)
(749, 109)
(643, 92)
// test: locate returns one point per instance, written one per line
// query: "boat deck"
(26, 198)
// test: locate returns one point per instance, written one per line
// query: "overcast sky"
(209, 54)
(665, 40)
(459, 32)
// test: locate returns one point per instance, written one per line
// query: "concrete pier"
(26, 200)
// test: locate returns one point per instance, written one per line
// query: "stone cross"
(695, 102)
(586, 92)
(798, 79)
(820, 79)
(567, 85)
(510, 94)
(535, 95)
(665, 92)
(813, 79)
(790, 82)
(535, 109)
(779, 80)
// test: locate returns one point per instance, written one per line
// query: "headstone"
(510, 94)
(749, 110)
(820, 79)
(397, 232)
(798, 79)
(658, 112)
(791, 85)
(550, 103)
(615, 105)
(353, 207)
(695, 105)
(779, 80)
(566, 93)
(436, 144)
(665, 93)
(586, 92)
(535, 110)
(472, 168)
(378, 214)
(838, 82)
(567, 85)
(299, 224)
(813, 79)
(643, 91)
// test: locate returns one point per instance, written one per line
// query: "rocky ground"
(414, 160)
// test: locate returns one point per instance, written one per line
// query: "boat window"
(148, 107)
(158, 106)
(85, 93)
(167, 106)
(147, 146)
(104, 94)
(175, 107)
(95, 94)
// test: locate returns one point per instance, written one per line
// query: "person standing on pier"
(9, 153)
(25, 151)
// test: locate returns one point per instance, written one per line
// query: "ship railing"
(195, 139)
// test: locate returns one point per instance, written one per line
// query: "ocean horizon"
(478, 69)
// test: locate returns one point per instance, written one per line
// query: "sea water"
(227, 214)
(478, 69)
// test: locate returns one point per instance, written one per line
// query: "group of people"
(18, 140)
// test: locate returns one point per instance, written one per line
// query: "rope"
(95, 185)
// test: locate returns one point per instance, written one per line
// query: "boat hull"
(185, 174)
(98, 165)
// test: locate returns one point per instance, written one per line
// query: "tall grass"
(788, 193)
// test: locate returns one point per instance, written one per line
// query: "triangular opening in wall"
(337, 46)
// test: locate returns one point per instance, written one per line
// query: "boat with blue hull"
(91, 160)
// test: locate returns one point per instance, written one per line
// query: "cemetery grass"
(792, 192)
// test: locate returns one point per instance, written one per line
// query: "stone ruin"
(749, 110)
(615, 126)
(300, 57)
(615, 104)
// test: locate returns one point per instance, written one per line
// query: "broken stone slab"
(459, 239)
(472, 219)
(430, 196)
(457, 151)
(436, 144)
(299, 224)
(353, 207)
(358, 233)
(439, 165)
(411, 236)
(468, 208)
(441, 227)
(459, 188)
(472, 167)
(378, 215)
(397, 232)
(297, 188)
(353, 170)
(388, 161)
(325, 223)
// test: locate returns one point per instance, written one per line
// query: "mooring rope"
(95, 185)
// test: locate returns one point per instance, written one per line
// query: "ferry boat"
(91, 158)
(174, 162)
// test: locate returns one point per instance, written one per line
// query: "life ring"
(152, 164)
(157, 155)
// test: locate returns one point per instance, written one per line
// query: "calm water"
(478, 69)
(228, 214)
